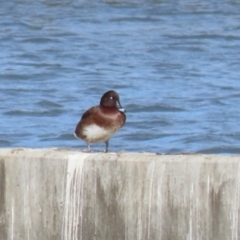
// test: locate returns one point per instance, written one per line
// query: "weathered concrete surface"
(68, 195)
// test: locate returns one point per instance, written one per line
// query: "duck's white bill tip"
(121, 110)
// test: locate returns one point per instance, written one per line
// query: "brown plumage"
(99, 123)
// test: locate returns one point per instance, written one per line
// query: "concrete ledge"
(48, 194)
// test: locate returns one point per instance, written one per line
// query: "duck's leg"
(88, 144)
(106, 150)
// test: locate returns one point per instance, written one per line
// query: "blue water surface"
(175, 65)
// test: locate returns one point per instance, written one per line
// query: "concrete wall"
(67, 195)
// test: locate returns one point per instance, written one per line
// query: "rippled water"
(175, 65)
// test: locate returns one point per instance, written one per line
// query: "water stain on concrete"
(3, 228)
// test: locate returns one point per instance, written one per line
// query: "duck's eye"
(111, 97)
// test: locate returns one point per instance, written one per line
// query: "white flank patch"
(95, 133)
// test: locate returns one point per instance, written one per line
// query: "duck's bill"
(119, 106)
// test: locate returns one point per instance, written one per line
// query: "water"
(175, 65)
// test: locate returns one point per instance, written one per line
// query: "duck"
(100, 123)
